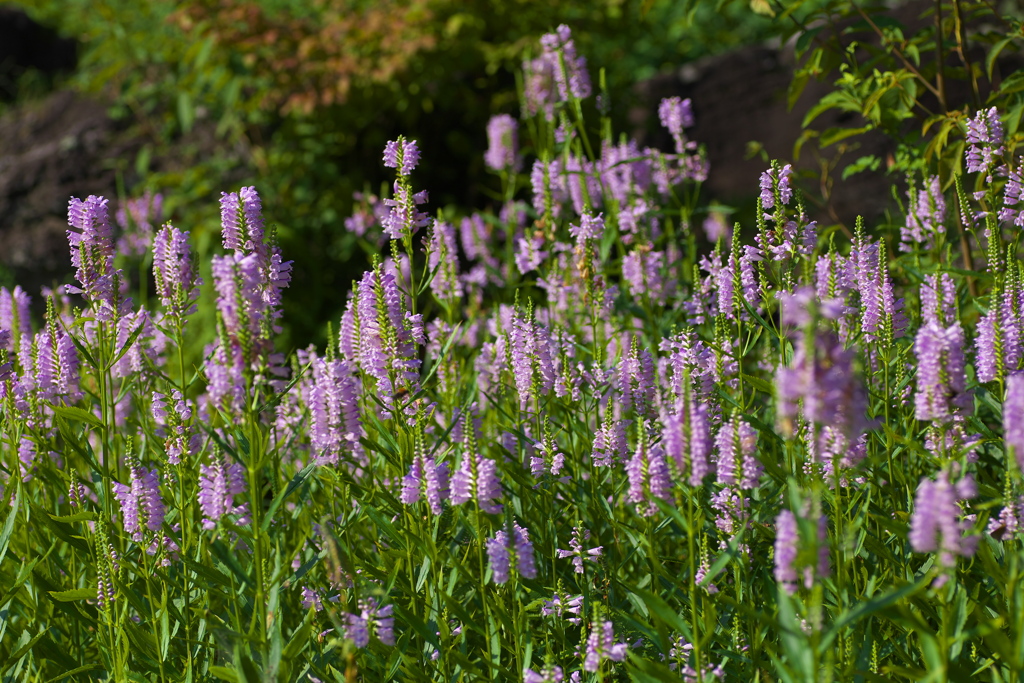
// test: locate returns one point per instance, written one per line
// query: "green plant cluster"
(564, 441)
(301, 97)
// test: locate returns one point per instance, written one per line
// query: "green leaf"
(299, 640)
(186, 112)
(1012, 83)
(22, 651)
(794, 640)
(84, 516)
(730, 554)
(833, 100)
(224, 674)
(127, 344)
(646, 670)
(297, 481)
(865, 163)
(833, 135)
(663, 611)
(759, 384)
(75, 594)
(78, 414)
(23, 575)
(81, 669)
(805, 39)
(394, 537)
(864, 609)
(12, 517)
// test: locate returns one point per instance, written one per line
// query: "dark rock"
(49, 151)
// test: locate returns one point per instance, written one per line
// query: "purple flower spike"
(941, 380)
(477, 479)
(786, 539)
(503, 144)
(675, 114)
(1013, 416)
(502, 549)
(177, 279)
(737, 463)
(141, 503)
(984, 140)
(402, 154)
(591, 227)
(560, 50)
(999, 339)
(14, 315)
(686, 437)
(648, 479)
(776, 182)
(926, 216)
(498, 557)
(936, 526)
(548, 674)
(576, 550)
(219, 483)
(334, 404)
(92, 253)
(601, 645)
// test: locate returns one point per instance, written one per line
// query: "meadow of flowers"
(560, 441)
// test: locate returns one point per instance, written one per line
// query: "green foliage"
(289, 97)
(634, 330)
(915, 79)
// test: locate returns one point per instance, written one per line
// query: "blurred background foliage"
(298, 99)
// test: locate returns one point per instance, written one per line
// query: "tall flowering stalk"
(1013, 417)
(998, 343)
(219, 483)
(557, 75)
(601, 645)
(404, 219)
(800, 558)
(389, 337)
(648, 476)
(926, 216)
(176, 276)
(984, 142)
(503, 144)
(142, 507)
(336, 427)
(508, 549)
(936, 525)
(92, 255)
(941, 380)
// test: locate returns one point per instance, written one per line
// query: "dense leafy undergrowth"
(556, 442)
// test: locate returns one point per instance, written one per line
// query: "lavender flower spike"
(92, 251)
(141, 503)
(786, 539)
(601, 645)
(219, 482)
(502, 144)
(936, 526)
(576, 551)
(984, 140)
(402, 154)
(177, 279)
(504, 547)
(1013, 416)
(498, 557)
